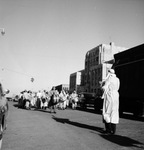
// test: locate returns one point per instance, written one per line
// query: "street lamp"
(2, 31)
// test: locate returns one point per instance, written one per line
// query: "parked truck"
(129, 68)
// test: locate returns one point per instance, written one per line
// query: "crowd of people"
(52, 99)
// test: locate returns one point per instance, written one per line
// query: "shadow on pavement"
(117, 139)
(33, 109)
(77, 124)
(43, 110)
(123, 141)
(16, 105)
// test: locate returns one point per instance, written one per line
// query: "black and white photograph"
(71, 74)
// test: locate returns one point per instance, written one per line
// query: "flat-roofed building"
(76, 81)
(97, 62)
(62, 86)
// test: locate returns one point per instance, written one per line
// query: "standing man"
(111, 102)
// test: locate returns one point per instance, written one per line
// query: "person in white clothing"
(54, 98)
(63, 97)
(74, 99)
(111, 102)
(39, 95)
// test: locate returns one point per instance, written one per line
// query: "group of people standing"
(47, 99)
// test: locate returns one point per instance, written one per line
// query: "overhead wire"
(31, 77)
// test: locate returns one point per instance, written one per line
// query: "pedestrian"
(74, 99)
(20, 100)
(33, 100)
(67, 100)
(27, 99)
(110, 111)
(38, 103)
(44, 102)
(54, 98)
(62, 99)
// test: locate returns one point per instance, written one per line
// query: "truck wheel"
(96, 108)
(84, 106)
(136, 113)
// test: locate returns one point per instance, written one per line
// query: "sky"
(48, 39)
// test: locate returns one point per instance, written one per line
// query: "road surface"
(68, 130)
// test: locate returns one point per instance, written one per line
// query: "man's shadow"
(47, 110)
(123, 141)
(117, 139)
(81, 125)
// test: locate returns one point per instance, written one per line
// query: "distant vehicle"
(129, 67)
(16, 98)
(86, 99)
(9, 98)
(3, 112)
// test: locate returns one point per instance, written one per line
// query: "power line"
(3, 69)
(32, 78)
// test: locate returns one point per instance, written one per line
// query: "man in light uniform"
(111, 102)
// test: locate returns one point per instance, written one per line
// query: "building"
(76, 81)
(62, 86)
(97, 62)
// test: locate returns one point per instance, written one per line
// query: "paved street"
(68, 130)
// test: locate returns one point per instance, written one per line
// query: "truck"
(129, 68)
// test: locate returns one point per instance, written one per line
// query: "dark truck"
(129, 68)
(86, 99)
